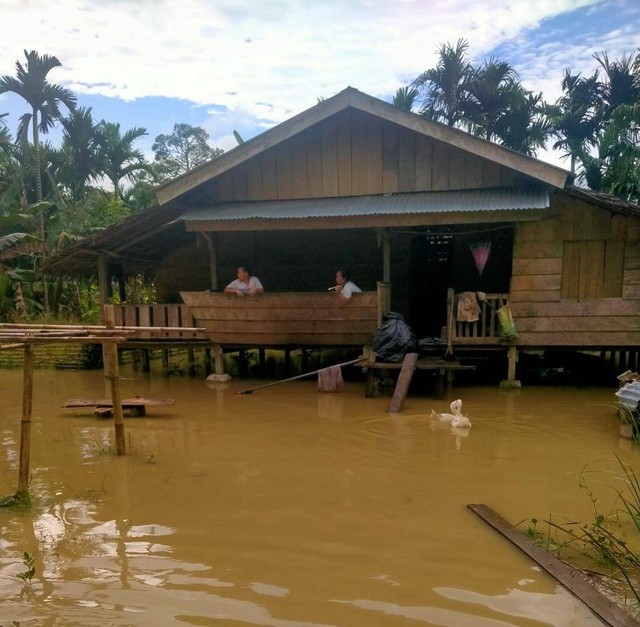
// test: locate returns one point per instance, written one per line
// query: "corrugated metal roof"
(391, 204)
(629, 395)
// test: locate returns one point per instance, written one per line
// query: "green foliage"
(29, 562)
(610, 540)
(184, 149)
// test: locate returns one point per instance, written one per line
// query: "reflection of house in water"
(356, 182)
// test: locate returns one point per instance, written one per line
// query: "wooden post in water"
(110, 352)
(25, 425)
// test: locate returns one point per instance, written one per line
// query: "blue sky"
(247, 65)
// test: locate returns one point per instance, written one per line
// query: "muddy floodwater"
(289, 507)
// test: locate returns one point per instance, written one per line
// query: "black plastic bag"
(393, 338)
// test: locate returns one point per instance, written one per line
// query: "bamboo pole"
(110, 352)
(25, 424)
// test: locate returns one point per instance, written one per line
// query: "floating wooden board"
(404, 379)
(126, 402)
(569, 577)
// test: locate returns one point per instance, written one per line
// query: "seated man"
(345, 287)
(245, 284)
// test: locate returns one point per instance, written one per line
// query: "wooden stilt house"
(417, 211)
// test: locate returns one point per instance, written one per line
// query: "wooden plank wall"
(352, 154)
(576, 278)
(285, 319)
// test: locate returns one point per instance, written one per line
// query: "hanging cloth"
(468, 307)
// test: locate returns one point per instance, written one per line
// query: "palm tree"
(621, 85)
(489, 93)
(79, 151)
(405, 98)
(117, 157)
(615, 167)
(574, 116)
(43, 97)
(523, 126)
(444, 88)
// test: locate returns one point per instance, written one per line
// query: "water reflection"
(291, 507)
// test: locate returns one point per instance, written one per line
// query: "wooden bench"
(135, 406)
(441, 367)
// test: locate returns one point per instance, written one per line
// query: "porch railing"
(158, 315)
(484, 331)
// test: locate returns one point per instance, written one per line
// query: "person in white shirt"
(345, 287)
(245, 284)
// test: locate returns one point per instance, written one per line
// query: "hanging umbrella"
(480, 252)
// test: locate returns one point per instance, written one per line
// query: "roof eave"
(350, 97)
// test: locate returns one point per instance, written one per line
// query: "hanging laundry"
(468, 307)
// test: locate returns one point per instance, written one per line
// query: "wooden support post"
(110, 350)
(386, 255)
(438, 384)
(287, 361)
(207, 361)
(104, 281)
(25, 424)
(384, 299)
(191, 360)
(213, 259)
(166, 353)
(512, 358)
(146, 360)
(217, 358)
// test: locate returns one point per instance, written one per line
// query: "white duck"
(455, 417)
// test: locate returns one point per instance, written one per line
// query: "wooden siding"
(285, 319)
(576, 278)
(352, 154)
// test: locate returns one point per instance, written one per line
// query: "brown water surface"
(289, 507)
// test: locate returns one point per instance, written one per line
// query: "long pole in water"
(300, 376)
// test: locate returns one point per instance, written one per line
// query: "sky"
(247, 65)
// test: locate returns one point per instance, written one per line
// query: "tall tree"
(79, 151)
(489, 93)
(43, 97)
(615, 165)
(186, 148)
(573, 118)
(443, 89)
(523, 126)
(117, 158)
(620, 84)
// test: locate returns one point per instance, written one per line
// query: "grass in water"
(609, 542)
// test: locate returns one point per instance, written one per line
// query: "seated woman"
(345, 287)
(245, 284)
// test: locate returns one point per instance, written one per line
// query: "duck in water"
(455, 417)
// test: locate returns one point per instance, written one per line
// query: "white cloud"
(255, 64)
(243, 54)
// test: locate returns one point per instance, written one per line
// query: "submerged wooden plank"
(403, 382)
(569, 577)
(126, 402)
